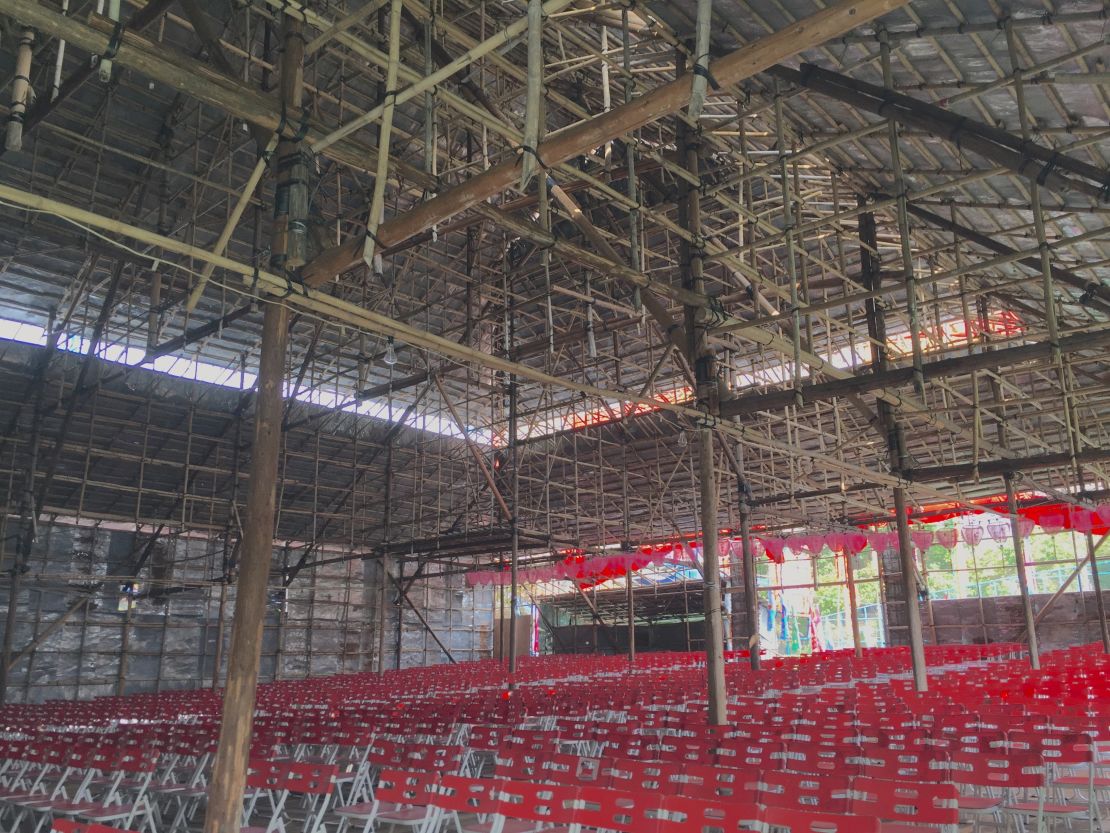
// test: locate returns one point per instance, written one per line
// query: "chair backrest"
(401, 787)
(524, 801)
(682, 814)
(1002, 770)
(916, 803)
(292, 776)
(463, 795)
(607, 809)
(804, 790)
(801, 821)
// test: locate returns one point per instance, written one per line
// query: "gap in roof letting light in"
(182, 367)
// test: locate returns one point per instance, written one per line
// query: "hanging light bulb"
(390, 352)
(682, 440)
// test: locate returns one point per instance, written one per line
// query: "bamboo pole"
(377, 201)
(21, 91)
(245, 198)
(505, 36)
(229, 773)
(904, 240)
(909, 586)
(700, 356)
(534, 101)
(1022, 577)
(669, 98)
(751, 592)
(703, 24)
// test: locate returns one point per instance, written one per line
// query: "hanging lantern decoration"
(1025, 526)
(774, 547)
(922, 539)
(947, 538)
(855, 542)
(999, 530)
(972, 534)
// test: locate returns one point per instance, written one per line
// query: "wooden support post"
(751, 594)
(21, 91)
(514, 553)
(1096, 583)
(701, 358)
(229, 773)
(1023, 579)
(853, 603)
(909, 584)
(225, 802)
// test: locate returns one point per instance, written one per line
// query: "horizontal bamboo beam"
(997, 468)
(812, 31)
(1095, 292)
(886, 379)
(1042, 165)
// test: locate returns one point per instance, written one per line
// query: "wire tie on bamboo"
(1046, 169)
(114, 42)
(702, 71)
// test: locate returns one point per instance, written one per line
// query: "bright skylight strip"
(183, 367)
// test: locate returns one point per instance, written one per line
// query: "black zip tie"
(290, 285)
(113, 42)
(702, 71)
(283, 122)
(535, 153)
(1048, 166)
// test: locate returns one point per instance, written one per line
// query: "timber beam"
(1041, 352)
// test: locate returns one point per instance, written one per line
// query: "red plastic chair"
(800, 821)
(819, 793)
(522, 806)
(401, 799)
(906, 807)
(681, 814)
(277, 780)
(604, 809)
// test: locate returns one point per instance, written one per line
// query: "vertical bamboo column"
(751, 594)
(908, 276)
(853, 604)
(514, 526)
(871, 277)
(909, 585)
(21, 91)
(1096, 583)
(225, 801)
(1023, 579)
(702, 359)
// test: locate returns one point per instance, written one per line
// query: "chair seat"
(62, 807)
(386, 811)
(404, 814)
(979, 803)
(107, 812)
(1050, 808)
(1082, 781)
(511, 826)
(180, 790)
(15, 796)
